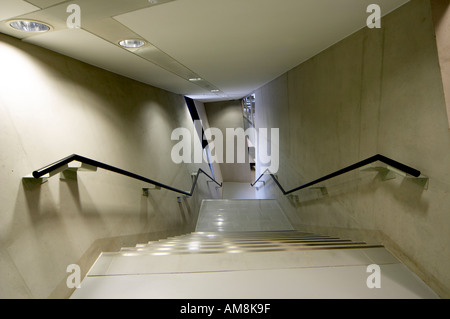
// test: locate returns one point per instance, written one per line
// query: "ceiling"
(234, 46)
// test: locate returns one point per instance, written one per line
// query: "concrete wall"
(377, 91)
(52, 106)
(223, 115)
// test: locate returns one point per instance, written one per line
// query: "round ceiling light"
(132, 43)
(29, 26)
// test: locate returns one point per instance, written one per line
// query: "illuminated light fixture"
(215, 91)
(195, 79)
(131, 43)
(29, 26)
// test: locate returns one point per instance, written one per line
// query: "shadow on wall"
(184, 208)
(40, 203)
(109, 211)
(38, 244)
(58, 223)
(409, 192)
(114, 197)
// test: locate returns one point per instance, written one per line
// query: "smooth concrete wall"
(441, 19)
(377, 91)
(52, 106)
(228, 115)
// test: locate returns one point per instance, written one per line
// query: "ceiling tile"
(241, 45)
(235, 46)
(45, 3)
(14, 8)
(90, 49)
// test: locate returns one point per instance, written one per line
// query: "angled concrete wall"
(52, 106)
(378, 91)
(441, 19)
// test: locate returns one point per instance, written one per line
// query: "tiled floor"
(241, 215)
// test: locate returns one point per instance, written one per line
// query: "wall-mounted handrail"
(74, 157)
(390, 162)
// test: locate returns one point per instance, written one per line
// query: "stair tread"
(244, 244)
(245, 250)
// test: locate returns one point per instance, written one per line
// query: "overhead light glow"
(195, 79)
(132, 43)
(29, 26)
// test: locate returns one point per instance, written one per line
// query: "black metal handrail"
(74, 157)
(397, 165)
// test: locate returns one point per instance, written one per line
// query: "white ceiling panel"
(240, 45)
(100, 53)
(45, 3)
(13, 8)
(234, 46)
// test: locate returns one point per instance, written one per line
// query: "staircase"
(248, 250)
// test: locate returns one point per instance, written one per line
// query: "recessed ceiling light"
(132, 43)
(29, 26)
(195, 79)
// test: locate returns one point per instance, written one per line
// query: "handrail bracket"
(71, 171)
(388, 172)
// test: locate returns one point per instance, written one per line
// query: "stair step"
(251, 233)
(243, 240)
(259, 241)
(236, 242)
(212, 237)
(236, 237)
(240, 244)
(246, 236)
(127, 263)
(214, 250)
(261, 261)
